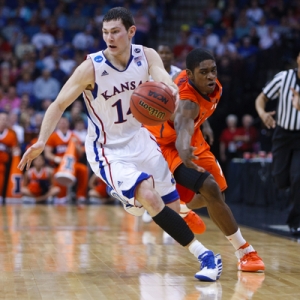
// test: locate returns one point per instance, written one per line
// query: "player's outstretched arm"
(184, 125)
(79, 80)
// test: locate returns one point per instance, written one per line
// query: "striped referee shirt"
(279, 87)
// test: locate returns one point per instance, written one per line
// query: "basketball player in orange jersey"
(118, 148)
(200, 180)
(54, 151)
(8, 144)
(191, 218)
(38, 181)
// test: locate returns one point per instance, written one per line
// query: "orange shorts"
(205, 160)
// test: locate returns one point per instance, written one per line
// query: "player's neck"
(119, 61)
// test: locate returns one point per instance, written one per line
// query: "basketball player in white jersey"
(120, 151)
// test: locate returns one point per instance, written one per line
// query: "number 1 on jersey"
(118, 105)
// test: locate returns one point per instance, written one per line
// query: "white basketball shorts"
(124, 167)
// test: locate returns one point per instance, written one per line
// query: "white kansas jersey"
(110, 121)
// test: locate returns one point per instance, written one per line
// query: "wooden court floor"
(101, 252)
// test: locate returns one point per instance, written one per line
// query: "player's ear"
(189, 74)
(132, 31)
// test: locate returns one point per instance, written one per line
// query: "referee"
(285, 86)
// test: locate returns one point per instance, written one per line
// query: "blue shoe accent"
(211, 266)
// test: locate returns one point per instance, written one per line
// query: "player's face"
(166, 55)
(204, 76)
(116, 37)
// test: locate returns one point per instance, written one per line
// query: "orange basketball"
(152, 103)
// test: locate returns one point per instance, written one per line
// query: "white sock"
(197, 248)
(236, 240)
(184, 210)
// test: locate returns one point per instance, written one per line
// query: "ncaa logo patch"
(98, 58)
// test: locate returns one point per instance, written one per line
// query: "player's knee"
(148, 196)
(210, 189)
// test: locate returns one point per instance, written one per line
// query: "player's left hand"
(32, 152)
(296, 99)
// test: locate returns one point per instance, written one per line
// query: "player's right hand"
(268, 119)
(187, 156)
(32, 152)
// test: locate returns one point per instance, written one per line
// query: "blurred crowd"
(42, 42)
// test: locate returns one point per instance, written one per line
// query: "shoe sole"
(260, 270)
(218, 261)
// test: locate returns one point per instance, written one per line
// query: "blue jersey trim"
(171, 197)
(112, 66)
(97, 130)
(130, 193)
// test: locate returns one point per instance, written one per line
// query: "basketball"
(152, 103)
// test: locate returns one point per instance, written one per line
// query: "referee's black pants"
(286, 168)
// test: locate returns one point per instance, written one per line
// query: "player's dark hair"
(120, 13)
(196, 56)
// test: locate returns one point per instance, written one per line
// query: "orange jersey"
(165, 134)
(8, 140)
(59, 142)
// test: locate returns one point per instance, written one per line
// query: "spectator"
(5, 47)
(142, 23)
(242, 26)
(11, 102)
(254, 13)
(22, 12)
(83, 40)
(80, 128)
(45, 87)
(247, 49)
(228, 145)
(10, 29)
(182, 46)
(58, 74)
(16, 127)
(247, 136)
(38, 182)
(24, 47)
(269, 39)
(225, 47)
(76, 112)
(67, 64)
(9, 143)
(76, 21)
(49, 61)
(42, 39)
(25, 85)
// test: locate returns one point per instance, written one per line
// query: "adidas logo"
(104, 73)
